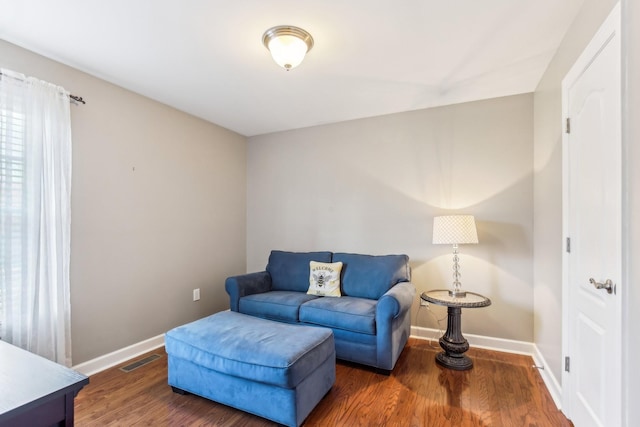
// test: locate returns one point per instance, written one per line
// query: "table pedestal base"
(454, 344)
(461, 363)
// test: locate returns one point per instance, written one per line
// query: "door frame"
(612, 24)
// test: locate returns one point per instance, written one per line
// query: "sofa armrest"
(396, 301)
(393, 323)
(246, 284)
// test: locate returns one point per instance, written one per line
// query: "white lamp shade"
(454, 229)
(287, 51)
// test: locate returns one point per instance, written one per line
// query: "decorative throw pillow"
(324, 278)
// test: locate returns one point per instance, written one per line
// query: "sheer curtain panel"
(35, 220)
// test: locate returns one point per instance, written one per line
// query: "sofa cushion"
(371, 276)
(290, 270)
(255, 349)
(324, 278)
(274, 305)
(348, 313)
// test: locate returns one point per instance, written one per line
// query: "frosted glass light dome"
(288, 45)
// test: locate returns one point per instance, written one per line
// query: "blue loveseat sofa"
(371, 321)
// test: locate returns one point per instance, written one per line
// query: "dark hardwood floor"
(502, 389)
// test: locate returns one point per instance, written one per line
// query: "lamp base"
(457, 293)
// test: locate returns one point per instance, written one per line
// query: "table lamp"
(455, 230)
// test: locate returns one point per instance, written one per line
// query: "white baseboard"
(509, 346)
(101, 363)
(480, 341)
(554, 387)
(107, 361)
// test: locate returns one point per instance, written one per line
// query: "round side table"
(452, 342)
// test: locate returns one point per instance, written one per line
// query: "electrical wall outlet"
(196, 294)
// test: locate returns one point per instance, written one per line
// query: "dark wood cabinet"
(35, 391)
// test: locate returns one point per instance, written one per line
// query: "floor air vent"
(135, 365)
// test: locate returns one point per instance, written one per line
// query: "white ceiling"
(371, 57)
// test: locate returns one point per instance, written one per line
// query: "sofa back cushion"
(371, 276)
(290, 270)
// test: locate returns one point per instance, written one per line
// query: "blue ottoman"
(274, 370)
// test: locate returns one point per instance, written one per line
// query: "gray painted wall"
(548, 183)
(374, 185)
(143, 239)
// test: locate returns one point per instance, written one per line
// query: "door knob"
(607, 285)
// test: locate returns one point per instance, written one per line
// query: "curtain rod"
(71, 96)
(77, 98)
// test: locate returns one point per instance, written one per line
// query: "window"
(12, 205)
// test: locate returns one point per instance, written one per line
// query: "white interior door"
(592, 223)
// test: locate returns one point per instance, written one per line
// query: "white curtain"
(35, 178)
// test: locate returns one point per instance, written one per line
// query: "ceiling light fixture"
(288, 45)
